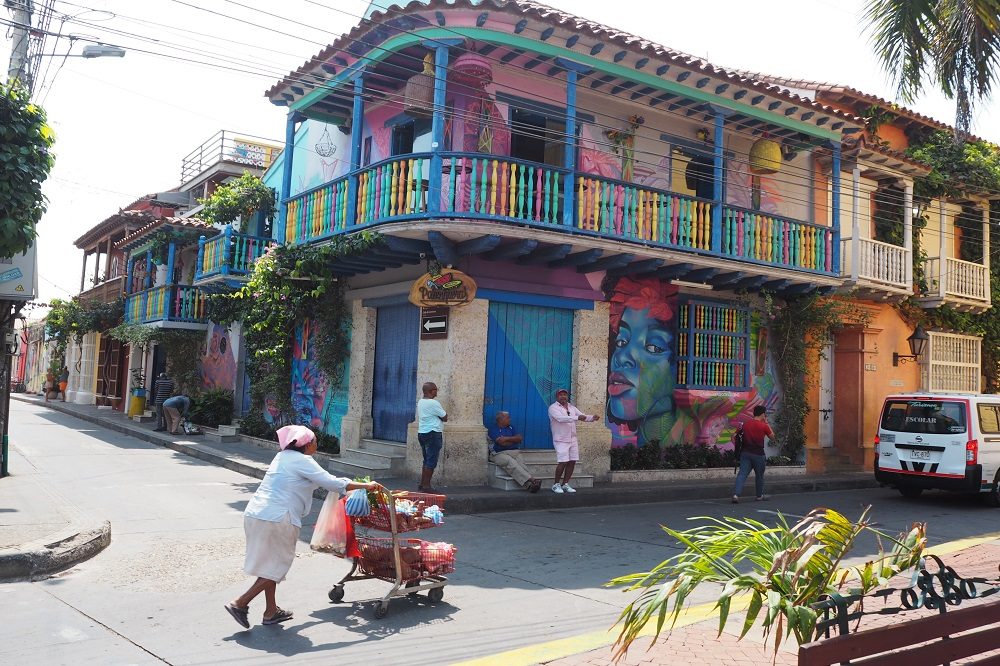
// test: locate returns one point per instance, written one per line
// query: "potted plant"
(137, 403)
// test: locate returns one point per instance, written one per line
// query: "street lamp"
(102, 51)
(917, 342)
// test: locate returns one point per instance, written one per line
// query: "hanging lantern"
(765, 156)
(472, 71)
(418, 98)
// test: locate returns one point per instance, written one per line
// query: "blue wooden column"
(286, 176)
(148, 282)
(573, 70)
(200, 264)
(171, 254)
(835, 208)
(357, 122)
(718, 175)
(226, 243)
(129, 275)
(441, 48)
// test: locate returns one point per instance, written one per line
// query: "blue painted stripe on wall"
(535, 299)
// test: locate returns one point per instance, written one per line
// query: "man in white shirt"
(430, 419)
(562, 418)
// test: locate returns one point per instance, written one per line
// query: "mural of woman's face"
(640, 383)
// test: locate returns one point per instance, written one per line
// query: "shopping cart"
(411, 565)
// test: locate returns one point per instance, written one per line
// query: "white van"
(946, 441)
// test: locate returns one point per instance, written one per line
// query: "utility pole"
(20, 66)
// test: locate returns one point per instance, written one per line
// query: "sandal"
(535, 486)
(279, 616)
(239, 614)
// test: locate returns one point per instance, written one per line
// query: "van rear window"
(938, 417)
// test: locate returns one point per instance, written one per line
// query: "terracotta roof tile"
(552, 15)
(181, 222)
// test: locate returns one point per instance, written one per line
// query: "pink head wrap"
(294, 434)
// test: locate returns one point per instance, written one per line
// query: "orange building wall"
(864, 376)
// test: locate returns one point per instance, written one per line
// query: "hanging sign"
(433, 323)
(448, 287)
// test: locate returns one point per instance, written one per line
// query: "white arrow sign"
(434, 324)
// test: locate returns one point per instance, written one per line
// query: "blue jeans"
(750, 461)
(430, 444)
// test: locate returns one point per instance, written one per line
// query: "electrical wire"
(373, 96)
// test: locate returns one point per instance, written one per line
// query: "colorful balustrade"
(182, 303)
(623, 210)
(230, 254)
(492, 186)
(769, 239)
(319, 213)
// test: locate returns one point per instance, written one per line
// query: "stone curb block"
(55, 552)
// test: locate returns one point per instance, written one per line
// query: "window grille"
(953, 362)
(713, 346)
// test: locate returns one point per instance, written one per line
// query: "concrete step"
(384, 447)
(504, 482)
(367, 458)
(220, 438)
(341, 467)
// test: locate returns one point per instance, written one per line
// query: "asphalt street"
(155, 595)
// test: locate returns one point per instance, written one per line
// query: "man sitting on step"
(505, 444)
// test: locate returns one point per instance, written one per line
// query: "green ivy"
(240, 199)
(25, 162)
(290, 284)
(183, 348)
(71, 320)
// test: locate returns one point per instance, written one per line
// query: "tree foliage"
(953, 43)
(71, 320)
(782, 569)
(25, 162)
(240, 199)
(289, 285)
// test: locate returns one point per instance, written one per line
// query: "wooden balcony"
(169, 306)
(877, 269)
(228, 256)
(507, 190)
(964, 285)
(106, 292)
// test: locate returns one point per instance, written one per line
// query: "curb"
(482, 499)
(38, 559)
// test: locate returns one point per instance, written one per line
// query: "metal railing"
(250, 151)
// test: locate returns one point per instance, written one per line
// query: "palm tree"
(953, 43)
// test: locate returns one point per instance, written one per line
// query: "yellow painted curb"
(565, 647)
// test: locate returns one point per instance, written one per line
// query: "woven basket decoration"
(418, 97)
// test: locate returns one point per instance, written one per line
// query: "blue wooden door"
(394, 392)
(529, 355)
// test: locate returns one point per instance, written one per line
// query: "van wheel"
(992, 498)
(910, 492)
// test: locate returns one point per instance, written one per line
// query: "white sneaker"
(556, 488)
(568, 488)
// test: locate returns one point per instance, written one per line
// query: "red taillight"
(877, 440)
(971, 452)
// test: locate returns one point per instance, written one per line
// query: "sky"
(123, 125)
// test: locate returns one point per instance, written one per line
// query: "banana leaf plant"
(778, 571)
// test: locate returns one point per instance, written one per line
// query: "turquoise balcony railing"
(175, 302)
(478, 186)
(229, 254)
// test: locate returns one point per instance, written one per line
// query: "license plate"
(920, 455)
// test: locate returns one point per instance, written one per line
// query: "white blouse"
(288, 486)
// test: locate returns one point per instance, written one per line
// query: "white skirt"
(270, 547)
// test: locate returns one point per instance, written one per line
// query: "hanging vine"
(289, 284)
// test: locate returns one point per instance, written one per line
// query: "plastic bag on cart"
(334, 532)
(357, 503)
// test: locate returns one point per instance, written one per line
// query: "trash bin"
(137, 403)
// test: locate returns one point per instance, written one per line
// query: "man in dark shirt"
(505, 444)
(752, 457)
(163, 388)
